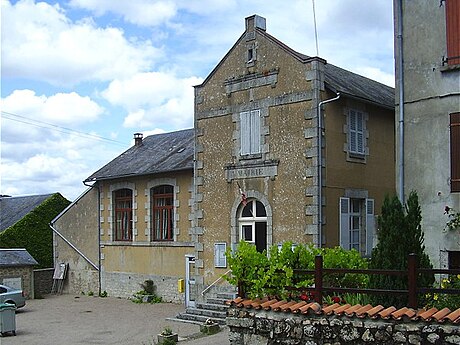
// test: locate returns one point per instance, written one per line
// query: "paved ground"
(73, 320)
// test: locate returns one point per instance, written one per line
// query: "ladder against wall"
(60, 273)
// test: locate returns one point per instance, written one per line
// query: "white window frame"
(251, 221)
(367, 225)
(250, 130)
(220, 260)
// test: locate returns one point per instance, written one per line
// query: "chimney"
(138, 139)
(254, 22)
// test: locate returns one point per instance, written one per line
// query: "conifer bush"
(400, 234)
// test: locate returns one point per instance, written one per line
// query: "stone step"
(214, 300)
(227, 296)
(212, 306)
(207, 313)
(198, 319)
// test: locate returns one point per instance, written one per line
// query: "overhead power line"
(56, 128)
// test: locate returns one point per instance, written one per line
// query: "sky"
(80, 77)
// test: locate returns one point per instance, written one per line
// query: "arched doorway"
(252, 223)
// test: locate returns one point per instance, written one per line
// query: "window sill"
(356, 158)
(148, 244)
(251, 156)
(449, 68)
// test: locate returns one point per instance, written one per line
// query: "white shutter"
(344, 217)
(255, 131)
(220, 260)
(245, 132)
(360, 132)
(370, 226)
(352, 130)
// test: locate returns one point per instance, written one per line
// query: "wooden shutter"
(245, 131)
(344, 218)
(370, 226)
(255, 131)
(453, 31)
(360, 132)
(352, 131)
(220, 260)
(455, 152)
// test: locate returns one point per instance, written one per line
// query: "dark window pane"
(260, 209)
(247, 233)
(247, 210)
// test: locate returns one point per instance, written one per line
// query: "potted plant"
(167, 336)
(209, 327)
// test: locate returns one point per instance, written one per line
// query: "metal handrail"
(215, 282)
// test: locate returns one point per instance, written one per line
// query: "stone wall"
(263, 327)
(24, 273)
(119, 284)
(43, 281)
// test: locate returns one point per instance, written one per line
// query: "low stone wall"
(43, 281)
(118, 284)
(268, 327)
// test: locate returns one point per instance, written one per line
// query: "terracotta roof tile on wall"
(404, 314)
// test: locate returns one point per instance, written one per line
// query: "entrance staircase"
(213, 309)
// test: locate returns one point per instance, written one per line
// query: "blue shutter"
(370, 226)
(245, 132)
(359, 132)
(255, 131)
(344, 217)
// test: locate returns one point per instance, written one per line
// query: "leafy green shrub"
(33, 232)
(440, 300)
(259, 276)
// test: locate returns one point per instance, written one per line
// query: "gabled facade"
(429, 87)
(288, 148)
(17, 270)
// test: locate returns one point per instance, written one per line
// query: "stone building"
(285, 147)
(17, 270)
(429, 85)
(288, 148)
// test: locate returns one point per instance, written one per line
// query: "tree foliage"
(400, 234)
(33, 232)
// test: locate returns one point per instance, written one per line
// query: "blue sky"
(79, 77)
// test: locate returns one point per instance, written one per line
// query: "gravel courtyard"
(72, 320)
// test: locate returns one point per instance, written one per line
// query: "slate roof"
(368, 311)
(158, 153)
(16, 257)
(346, 82)
(13, 209)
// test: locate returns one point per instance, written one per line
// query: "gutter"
(400, 70)
(320, 166)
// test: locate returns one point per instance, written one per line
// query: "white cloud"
(39, 42)
(139, 12)
(154, 98)
(61, 108)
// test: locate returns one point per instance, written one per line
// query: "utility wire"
(316, 31)
(46, 125)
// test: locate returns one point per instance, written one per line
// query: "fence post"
(319, 279)
(412, 280)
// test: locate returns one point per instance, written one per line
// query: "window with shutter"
(455, 152)
(250, 132)
(453, 31)
(344, 208)
(370, 226)
(356, 133)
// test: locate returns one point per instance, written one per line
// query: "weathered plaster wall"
(260, 327)
(431, 92)
(375, 174)
(79, 225)
(125, 265)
